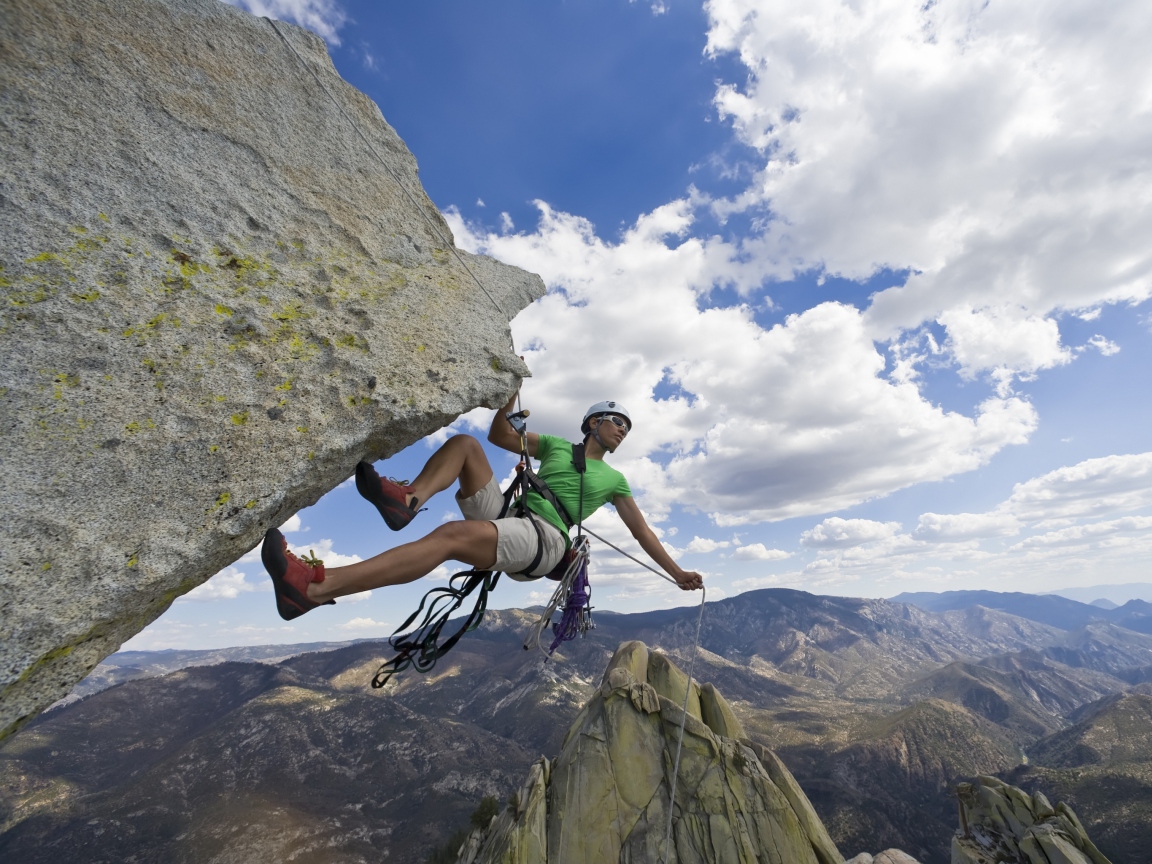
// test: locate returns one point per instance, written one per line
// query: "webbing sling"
(421, 648)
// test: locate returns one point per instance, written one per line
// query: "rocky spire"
(605, 798)
(999, 822)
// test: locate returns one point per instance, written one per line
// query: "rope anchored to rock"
(687, 690)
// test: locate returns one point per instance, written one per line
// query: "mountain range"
(877, 707)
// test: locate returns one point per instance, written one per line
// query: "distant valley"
(878, 708)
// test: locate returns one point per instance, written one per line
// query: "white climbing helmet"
(608, 407)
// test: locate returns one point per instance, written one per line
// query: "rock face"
(223, 286)
(605, 798)
(1002, 823)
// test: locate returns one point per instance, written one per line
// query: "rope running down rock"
(687, 690)
(396, 178)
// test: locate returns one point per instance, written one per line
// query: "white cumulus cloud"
(228, 584)
(759, 552)
(1110, 484)
(997, 151)
(1069, 550)
(952, 527)
(1003, 341)
(837, 533)
(322, 17)
(767, 423)
(365, 625)
(704, 544)
(1105, 346)
(1091, 531)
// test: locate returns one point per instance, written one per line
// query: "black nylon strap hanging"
(580, 463)
(421, 648)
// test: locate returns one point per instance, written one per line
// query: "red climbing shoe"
(387, 495)
(290, 576)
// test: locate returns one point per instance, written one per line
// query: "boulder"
(1002, 823)
(605, 797)
(894, 856)
(223, 285)
(888, 856)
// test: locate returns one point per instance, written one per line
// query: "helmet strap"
(595, 433)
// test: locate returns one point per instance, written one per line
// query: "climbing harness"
(573, 592)
(419, 649)
(573, 595)
(396, 178)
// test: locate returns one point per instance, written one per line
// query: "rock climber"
(481, 539)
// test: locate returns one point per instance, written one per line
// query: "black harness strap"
(538, 486)
(533, 482)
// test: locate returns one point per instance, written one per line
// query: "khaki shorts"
(516, 538)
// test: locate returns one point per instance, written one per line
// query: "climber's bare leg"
(470, 541)
(460, 458)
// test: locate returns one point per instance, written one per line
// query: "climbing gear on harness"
(290, 575)
(387, 495)
(573, 592)
(421, 648)
(605, 408)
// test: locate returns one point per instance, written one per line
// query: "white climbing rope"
(396, 178)
(687, 690)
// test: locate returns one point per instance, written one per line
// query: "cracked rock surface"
(223, 286)
(1003, 823)
(605, 798)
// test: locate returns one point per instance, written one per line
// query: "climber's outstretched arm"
(689, 580)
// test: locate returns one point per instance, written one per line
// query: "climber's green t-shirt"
(602, 482)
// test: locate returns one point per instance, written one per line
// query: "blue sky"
(873, 278)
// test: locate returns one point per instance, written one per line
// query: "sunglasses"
(618, 421)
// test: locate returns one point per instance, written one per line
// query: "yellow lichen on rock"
(173, 282)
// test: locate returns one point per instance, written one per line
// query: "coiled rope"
(560, 598)
(396, 178)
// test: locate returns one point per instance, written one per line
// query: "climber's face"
(612, 428)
